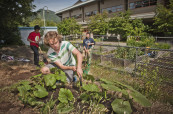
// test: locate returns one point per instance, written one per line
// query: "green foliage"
(91, 96)
(14, 13)
(125, 53)
(68, 26)
(161, 45)
(46, 109)
(98, 24)
(65, 95)
(123, 25)
(120, 107)
(40, 91)
(140, 42)
(163, 21)
(151, 81)
(91, 88)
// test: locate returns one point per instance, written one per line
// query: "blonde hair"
(52, 35)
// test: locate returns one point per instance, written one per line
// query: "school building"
(82, 10)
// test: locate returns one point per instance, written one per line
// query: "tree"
(13, 13)
(68, 26)
(98, 24)
(163, 21)
(123, 25)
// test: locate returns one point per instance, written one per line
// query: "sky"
(53, 5)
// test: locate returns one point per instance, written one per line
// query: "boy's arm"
(61, 66)
(79, 61)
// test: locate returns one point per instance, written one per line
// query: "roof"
(74, 6)
(143, 15)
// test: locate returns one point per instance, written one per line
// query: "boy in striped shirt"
(61, 55)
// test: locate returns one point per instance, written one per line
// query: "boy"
(87, 44)
(34, 39)
(61, 55)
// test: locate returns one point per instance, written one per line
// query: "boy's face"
(87, 35)
(54, 44)
(37, 30)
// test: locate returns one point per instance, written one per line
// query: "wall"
(24, 32)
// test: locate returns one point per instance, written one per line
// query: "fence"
(138, 61)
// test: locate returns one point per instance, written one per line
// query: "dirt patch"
(12, 72)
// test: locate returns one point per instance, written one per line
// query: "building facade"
(82, 10)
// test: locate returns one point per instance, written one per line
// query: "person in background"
(87, 45)
(34, 38)
(61, 55)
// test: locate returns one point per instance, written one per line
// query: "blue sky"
(53, 5)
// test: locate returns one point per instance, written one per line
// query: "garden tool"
(80, 79)
(44, 58)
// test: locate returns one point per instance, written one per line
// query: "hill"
(49, 15)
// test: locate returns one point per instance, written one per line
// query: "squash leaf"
(140, 99)
(40, 92)
(50, 80)
(65, 95)
(121, 107)
(91, 87)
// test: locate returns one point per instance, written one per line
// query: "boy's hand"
(74, 68)
(79, 72)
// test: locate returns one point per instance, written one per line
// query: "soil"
(12, 72)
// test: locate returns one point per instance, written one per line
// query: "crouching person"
(61, 55)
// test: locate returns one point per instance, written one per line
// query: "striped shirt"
(64, 56)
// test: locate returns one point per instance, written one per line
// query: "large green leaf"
(62, 78)
(121, 107)
(40, 92)
(91, 87)
(50, 79)
(106, 81)
(140, 99)
(65, 95)
(111, 87)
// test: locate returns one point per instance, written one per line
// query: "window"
(114, 9)
(145, 3)
(138, 4)
(78, 16)
(142, 3)
(87, 14)
(132, 6)
(119, 8)
(109, 10)
(94, 12)
(153, 2)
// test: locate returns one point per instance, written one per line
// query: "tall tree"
(164, 19)
(123, 25)
(68, 26)
(98, 24)
(13, 13)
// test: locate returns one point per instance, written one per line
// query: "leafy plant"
(40, 91)
(46, 109)
(120, 106)
(65, 95)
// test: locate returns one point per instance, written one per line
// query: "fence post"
(136, 61)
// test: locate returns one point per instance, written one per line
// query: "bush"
(161, 46)
(144, 41)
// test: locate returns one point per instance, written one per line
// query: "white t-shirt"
(64, 56)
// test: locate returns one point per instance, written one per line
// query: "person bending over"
(61, 55)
